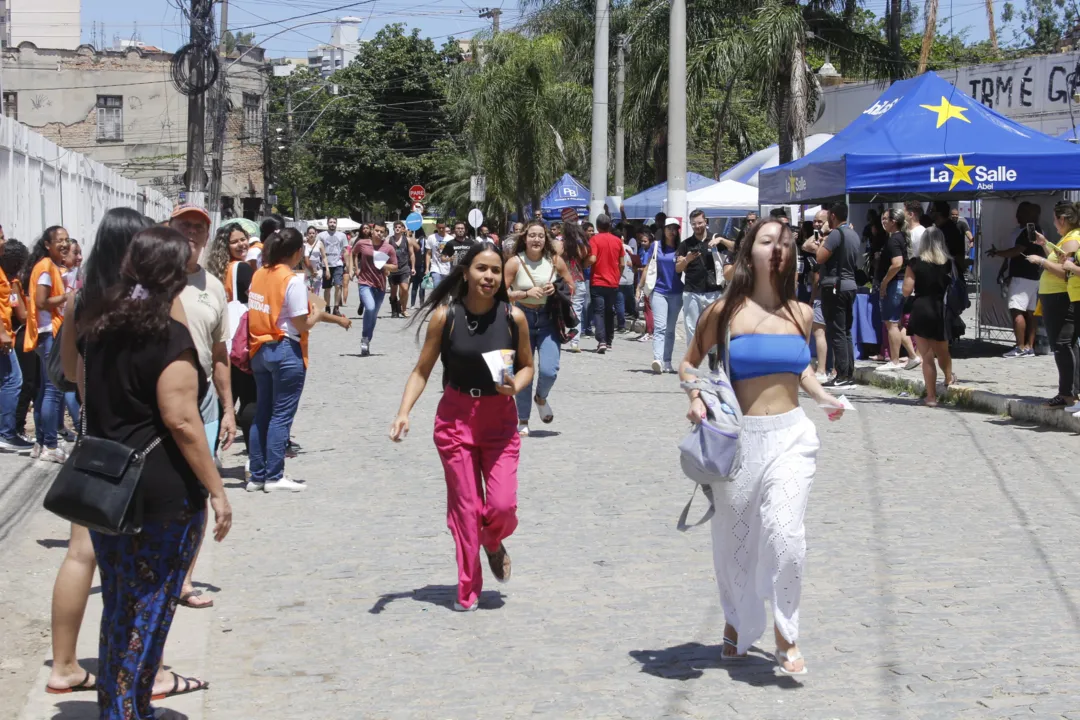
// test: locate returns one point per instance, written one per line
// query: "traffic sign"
(414, 222)
(476, 218)
(477, 188)
(417, 193)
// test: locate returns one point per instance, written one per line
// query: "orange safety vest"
(45, 265)
(265, 298)
(5, 302)
(228, 279)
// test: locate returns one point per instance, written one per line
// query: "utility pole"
(620, 130)
(196, 130)
(676, 164)
(289, 113)
(224, 19)
(492, 14)
(598, 176)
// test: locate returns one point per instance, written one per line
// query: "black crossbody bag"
(98, 486)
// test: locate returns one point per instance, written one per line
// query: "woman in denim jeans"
(281, 313)
(665, 291)
(530, 279)
(575, 250)
(44, 286)
(371, 279)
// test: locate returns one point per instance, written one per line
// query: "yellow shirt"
(1074, 281)
(1049, 284)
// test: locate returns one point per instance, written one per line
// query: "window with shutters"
(252, 119)
(11, 105)
(110, 117)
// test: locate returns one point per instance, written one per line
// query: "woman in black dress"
(928, 278)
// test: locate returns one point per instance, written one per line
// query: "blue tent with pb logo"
(567, 193)
(925, 139)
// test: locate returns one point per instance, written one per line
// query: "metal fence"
(43, 184)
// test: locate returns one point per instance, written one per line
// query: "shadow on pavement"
(441, 595)
(689, 661)
(544, 433)
(50, 544)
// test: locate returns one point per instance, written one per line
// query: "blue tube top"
(754, 356)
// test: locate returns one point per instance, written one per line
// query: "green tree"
(230, 41)
(526, 121)
(366, 145)
(1042, 23)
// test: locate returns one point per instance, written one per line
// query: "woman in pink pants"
(476, 422)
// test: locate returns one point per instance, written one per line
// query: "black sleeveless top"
(466, 337)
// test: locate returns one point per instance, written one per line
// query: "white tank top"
(541, 271)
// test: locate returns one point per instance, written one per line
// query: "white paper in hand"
(380, 259)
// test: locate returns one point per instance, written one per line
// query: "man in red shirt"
(607, 259)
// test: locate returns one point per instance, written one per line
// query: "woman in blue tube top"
(759, 542)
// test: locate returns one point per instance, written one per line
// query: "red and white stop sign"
(417, 193)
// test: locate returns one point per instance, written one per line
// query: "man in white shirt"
(208, 320)
(334, 244)
(913, 211)
(440, 266)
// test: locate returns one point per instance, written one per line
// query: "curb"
(972, 399)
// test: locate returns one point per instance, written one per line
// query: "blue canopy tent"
(647, 203)
(567, 193)
(925, 139)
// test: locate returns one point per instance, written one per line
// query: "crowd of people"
(172, 340)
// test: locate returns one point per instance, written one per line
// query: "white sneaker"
(913, 363)
(657, 367)
(575, 347)
(253, 486)
(285, 484)
(458, 607)
(822, 378)
(1075, 408)
(53, 455)
(35, 452)
(365, 348)
(669, 369)
(523, 429)
(546, 413)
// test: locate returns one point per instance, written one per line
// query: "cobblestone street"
(941, 582)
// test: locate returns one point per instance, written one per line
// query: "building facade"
(340, 51)
(1036, 91)
(122, 109)
(46, 23)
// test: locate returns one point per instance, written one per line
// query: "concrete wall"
(42, 184)
(1033, 91)
(58, 94)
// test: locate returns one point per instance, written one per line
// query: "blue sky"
(160, 23)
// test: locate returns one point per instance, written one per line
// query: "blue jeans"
(546, 354)
(665, 318)
(372, 300)
(279, 380)
(892, 305)
(10, 385)
(49, 404)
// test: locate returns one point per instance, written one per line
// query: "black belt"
(474, 392)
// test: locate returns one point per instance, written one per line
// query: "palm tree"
(928, 34)
(526, 119)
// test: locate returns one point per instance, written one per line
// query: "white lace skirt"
(759, 542)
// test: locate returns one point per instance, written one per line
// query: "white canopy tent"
(727, 198)
(343, 224)
(747, 170)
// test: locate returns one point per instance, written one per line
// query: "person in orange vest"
(281, 313)
(10, 371)
(43, 281)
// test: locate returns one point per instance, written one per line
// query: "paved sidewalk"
(937, 583)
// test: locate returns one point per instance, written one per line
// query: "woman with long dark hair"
(43, 282)
(475, 424)
(101, 273)
(928, 277)
(12, 318)
(575, 251)
(759, 542)
(371, 277)
(530, 280)
(892, 259)
(281, 313)
(664, 289)
(141, 381)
